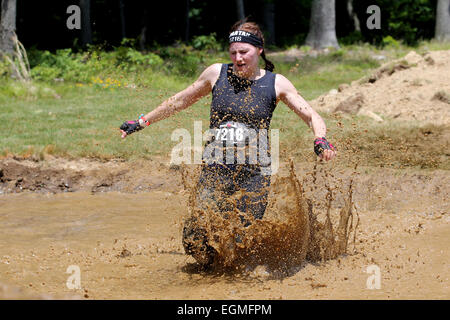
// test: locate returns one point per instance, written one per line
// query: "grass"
(82, 119)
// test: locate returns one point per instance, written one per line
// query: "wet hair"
(252, 27)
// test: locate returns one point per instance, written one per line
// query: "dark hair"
(252, 27)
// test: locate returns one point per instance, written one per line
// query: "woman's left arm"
(287, 93)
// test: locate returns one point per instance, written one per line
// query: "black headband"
(244, 36)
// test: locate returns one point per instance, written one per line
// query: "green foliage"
(409, 20)
(126, 66)
(124, 61)
(181, 59)
(207, 42)
(61, 64)
(4, 68)
(388, 41)
(353, 37)
(45, 73)
(130, 59)
(81, 67)
(305, 48)
(185, 60)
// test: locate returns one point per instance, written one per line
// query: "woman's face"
(245, 58)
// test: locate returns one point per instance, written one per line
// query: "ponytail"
(269, 65)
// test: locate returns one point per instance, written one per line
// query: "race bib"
(231, 131)
(236, 143)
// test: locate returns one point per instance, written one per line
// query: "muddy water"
(289, 233)
(128, 246)
(41, 235)
(111, 227)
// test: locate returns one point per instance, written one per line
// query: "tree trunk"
(86, 31)
(187, 24)
(122, 19)
(269, 21)
(443, 20)
(240, 9)
(143, 34)
(353, 15)
(8, 26)
(322, 25)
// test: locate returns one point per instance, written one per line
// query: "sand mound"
(414, 87)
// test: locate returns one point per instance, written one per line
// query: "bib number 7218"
(230, 134)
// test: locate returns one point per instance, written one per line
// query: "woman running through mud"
(244, 98)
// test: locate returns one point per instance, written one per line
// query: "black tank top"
(250, 102)
(240, 105)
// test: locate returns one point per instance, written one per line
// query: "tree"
(11, 50)
(352, 15)
(8, 26)
(86, 30)
(144, 26)
(186, 22)
(269, 20)
(240, 9)
(122, 19)
(322, 25)
(443, 20)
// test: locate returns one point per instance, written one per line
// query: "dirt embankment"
(375, 188)
(61, 175)
(413, 88)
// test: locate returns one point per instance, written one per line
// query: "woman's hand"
(328, 155)
(128, 127)
(324, 149)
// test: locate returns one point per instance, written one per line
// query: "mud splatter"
(291, 232)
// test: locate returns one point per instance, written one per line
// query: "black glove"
(134, 125)
(321, 144)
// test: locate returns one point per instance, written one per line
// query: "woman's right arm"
(184, 99)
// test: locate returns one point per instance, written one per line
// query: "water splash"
(296, 228)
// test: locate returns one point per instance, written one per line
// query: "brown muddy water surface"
(124, 233)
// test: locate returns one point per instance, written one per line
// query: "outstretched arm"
(287, 93)
(184, 99)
